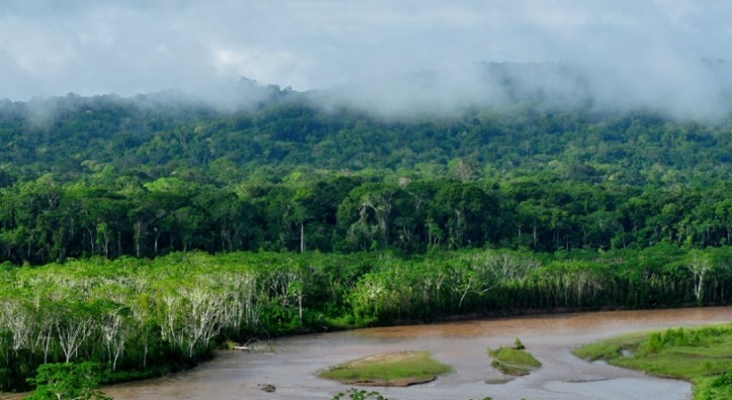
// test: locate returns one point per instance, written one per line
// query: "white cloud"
(258, 64)
(653, 48)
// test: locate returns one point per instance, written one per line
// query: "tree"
(465, 212)
(116, 328)
(366, 215)
(463, 170)
(73, 326)
(700, 266)
(191, 314)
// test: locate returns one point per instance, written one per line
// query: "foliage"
(359, 394)
(717, 388)
(147, 176)
(165, 227)
(699, 355)
(67, 381)
(515, 360)
(145, 317)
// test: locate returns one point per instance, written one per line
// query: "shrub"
(68, 381)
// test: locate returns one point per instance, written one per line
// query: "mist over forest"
(161, 226)
(524, 154)
(702, 92)
(175, 175)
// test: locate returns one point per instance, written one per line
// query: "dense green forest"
(140, 233)
(150, 175)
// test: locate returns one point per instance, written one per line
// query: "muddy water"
(292, 365)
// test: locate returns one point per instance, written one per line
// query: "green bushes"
(516, 361)
(68, 381)
(170, 312)
(702, 356)
(393, 369)
(718, 388)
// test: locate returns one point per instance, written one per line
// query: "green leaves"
(359, 394)
(68, 381)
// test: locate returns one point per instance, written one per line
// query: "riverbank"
(292, 364)
(171, 311)
(702, 356)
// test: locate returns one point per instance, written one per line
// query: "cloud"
(641, 52)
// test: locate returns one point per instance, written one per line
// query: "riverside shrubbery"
(702, 356)
(142, 317)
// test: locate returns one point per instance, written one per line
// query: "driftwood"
(245, 346)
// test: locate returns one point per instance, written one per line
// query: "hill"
(279, 169)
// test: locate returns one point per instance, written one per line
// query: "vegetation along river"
(293, 362)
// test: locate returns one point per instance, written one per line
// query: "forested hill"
(274, 131)
(278, 169)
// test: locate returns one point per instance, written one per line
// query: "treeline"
(112, 216)
(171, 226)
(158, 135)
(150, 175)
(142, 317)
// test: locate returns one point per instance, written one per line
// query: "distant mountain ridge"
(265, 125)
(282, 169)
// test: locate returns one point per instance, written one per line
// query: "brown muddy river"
(292, 365)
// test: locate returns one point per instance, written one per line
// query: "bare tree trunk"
(302, 239)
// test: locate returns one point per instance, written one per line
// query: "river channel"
(293, 362)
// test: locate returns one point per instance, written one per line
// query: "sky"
(647, 50)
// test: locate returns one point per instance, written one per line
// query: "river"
(293, 362)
